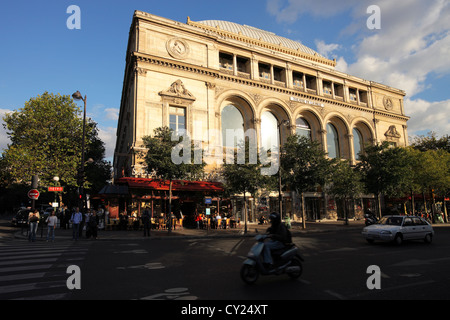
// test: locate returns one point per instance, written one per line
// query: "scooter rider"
(277, 239)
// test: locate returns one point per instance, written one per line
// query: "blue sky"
(411, 50)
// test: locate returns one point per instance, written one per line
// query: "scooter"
(370, 219)
(287, 260)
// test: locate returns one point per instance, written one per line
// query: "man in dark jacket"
(279, 236)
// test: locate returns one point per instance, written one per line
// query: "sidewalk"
(252, 230)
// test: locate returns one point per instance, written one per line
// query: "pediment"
(178, 90)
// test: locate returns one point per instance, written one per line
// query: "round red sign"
(33, 194)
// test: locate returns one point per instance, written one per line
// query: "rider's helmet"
(274, 218)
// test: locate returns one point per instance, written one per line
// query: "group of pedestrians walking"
(75, 219)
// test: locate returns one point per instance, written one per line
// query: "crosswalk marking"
(37, 271)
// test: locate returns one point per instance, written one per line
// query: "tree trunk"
(169, 225)
(245, 213)
(303, 211)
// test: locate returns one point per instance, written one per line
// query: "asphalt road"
(336, 268)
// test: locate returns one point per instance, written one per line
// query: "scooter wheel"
(296, 263)
(249, 274)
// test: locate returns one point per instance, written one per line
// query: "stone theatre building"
(208, 76)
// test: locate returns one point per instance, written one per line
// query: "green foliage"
(244, 177)
(431, 142)
(386, 169)
(45, 139)
(159, 157)
(304, 163)
(346, 181)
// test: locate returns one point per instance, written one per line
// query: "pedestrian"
(87, 226)
(93, 225)
(146, 221)
(76, 219)
(66, 217)
(52, 220)
(33, 221)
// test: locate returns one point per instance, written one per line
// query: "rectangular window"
(243, 65)
(226, 61)
(352, 95)
(327, 88)
(264, 71)
(298, 80)
(338, 91)
(177, 119)
(311, 84)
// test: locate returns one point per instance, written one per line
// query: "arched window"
(358, 146)
(233, 123)
(332, 141)
(269, 131)
(302, 128)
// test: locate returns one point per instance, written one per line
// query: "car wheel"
(398, 240)
(428, 238)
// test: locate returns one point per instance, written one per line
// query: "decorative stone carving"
(392, 133)
(178, 48)
(178, 90)
(388, 104)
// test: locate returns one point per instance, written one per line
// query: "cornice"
(182, 66)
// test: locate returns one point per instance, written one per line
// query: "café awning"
(163, 185)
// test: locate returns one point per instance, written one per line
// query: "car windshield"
(394, 221)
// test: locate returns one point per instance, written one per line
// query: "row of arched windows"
(336, 145)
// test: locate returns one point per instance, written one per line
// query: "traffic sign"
(33, 194)
(55, 189)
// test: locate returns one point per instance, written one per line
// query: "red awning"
(163, 185)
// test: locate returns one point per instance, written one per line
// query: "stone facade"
(184, 75)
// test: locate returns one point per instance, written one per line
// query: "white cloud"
(108, 136)
(412, 47)
(327, 49)
(4, 140)
(428, 116)
(112, 114)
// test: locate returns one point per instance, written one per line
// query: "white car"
(398, 229)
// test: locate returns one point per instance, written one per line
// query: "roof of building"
(259, 34)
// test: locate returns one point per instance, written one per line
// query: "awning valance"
(163, 185)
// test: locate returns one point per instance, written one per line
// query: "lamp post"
(280, 195)
(77, 96)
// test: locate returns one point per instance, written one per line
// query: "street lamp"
(56, 179)
(77, 96)
(280, 195)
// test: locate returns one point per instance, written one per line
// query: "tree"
(385, 170)
(244, 177)
(45, 139)
(345, 183)
(305, 166)
(163, 155)
(433, 174)
(431, 142)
